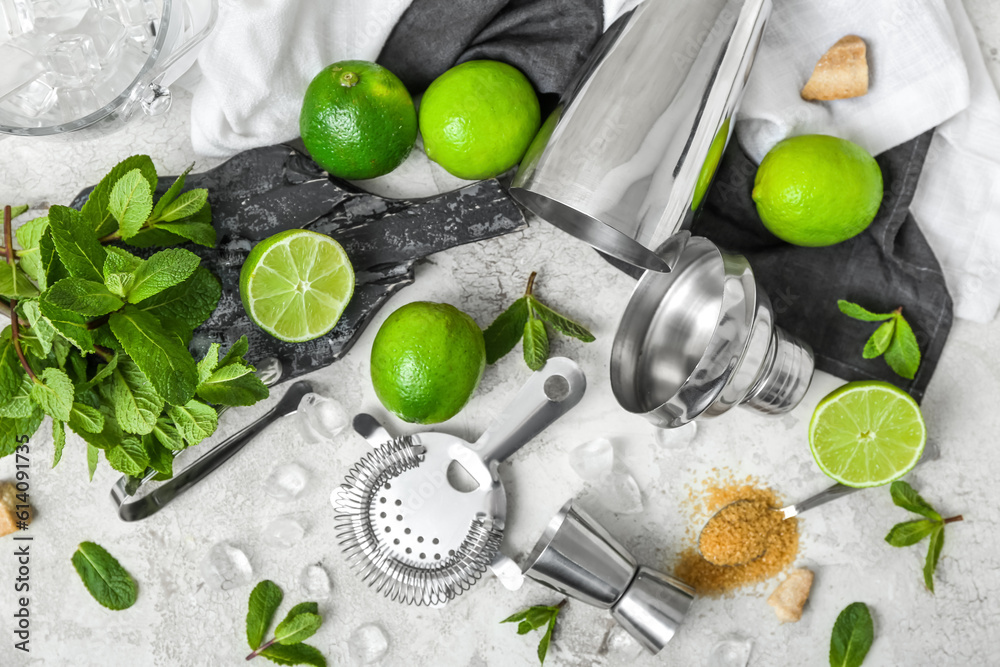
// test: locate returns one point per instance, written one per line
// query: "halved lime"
(867, 434)
(296, 284)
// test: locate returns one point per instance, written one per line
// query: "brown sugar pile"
(739, 533)
(782, 541)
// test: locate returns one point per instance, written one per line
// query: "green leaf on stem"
(162, 358)
(297, 628)
(131, 202)
(192, 301)
(903, 354)
(185, 205)
(79, 250)
(933, 554)
(903, 495)
(294, 654)
(96, 210)
(137, 405)
(171, 193)
(53, 393)
(857, 312)
(85, 297)
(506, 330)
(264, 601)
(58, 440)
(910, 532)
(164, 269)
(561, 323)
(194, 420)
(853, 634)
(880, 340)
(536, 344)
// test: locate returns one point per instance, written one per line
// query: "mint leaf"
(84, 297)
(13, 428)
(933, 553)
(104, 576)
(96, 210)
(302, 608)
(131, 202)
(903, 354)
(29, 236)
(14, 284)
(910, 532)
(859, 313)
(560, 323)
(137, 405)
(535, 618)
(879, 341)
(54, 393)
(194, 420)
(264, 601)
(119, 268)
(506, 331)
(153, 236)
(185, 205)
(18, 210)
(543, 645)
(236, 353)
(160, 458)
(103, 373)
(192, 301)
(85, 419)
(39, 327)
(208, 363)
(20, 405)
(536, 344)
(58, 440)
(107, 438)
(171, 193)
(235, 384)
(161, 357)
(11, 370)
(79, 250)
(294, 654)
(903, 495)
(128, 457)
(93, 453)
(167, 435)
(72, 326)
(853, 634)
(297, 628)
(519, 616)
(197, 232)
(164, 269)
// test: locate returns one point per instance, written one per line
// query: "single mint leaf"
(85, 419)
(903, 495)
(104, 576)
(29, 236)
(543, 645)
(131, 202)
(128, 457)
(561, 323)
(264, 601)
(933, 554)
(137, 405)
(167, 435)
(185, 205)
(18, 210)
(859, 313)
(298, 628)
(103, 373)
(153, 236)
(161, 459)
(110, 434)
(524, 627)
(197, 232)
(96, 210)
(69, 324)
(58, 440)
(11, 370)
(162, 358)
(903, 355)
(302, 608)
(14, 284)
(164, 269)
(506, 331)
(78, 248)
(39, 327)
(879, 341)
(294, 654)
(194, 420)
(192, 301)
(236, 353)
(84, 297)
(20, 405)
(208, 363)
(536, 344)
(235, 384)
(514, 618)
(13, 430)
(171, 194)
(93, 453)
(853, 634)
(910, 532)
(54, 393)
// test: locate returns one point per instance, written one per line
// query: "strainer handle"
(546, 396)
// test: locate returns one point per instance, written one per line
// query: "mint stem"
(954, 519)
(258, 651)
(531, 283)
(8, 237)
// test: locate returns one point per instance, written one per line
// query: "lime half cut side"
(867, 434)
(296, 284)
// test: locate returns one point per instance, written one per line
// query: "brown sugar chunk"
(8, 511)
(790, 596)
(841, 73)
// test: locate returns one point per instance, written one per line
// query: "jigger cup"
(701, 339)
(579, 558)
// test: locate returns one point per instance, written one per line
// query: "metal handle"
(821, 498)
(148, 505)
(546, 396)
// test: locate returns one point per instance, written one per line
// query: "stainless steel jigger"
(579, 558)
(701, 339)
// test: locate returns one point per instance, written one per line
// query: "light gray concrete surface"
(179, 621)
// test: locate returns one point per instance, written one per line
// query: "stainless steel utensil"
(624, 160)
(579, 558)
(701, 339)
(422, 517)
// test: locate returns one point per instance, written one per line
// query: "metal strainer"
(422, 517)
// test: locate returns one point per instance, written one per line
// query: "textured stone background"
(178, 621)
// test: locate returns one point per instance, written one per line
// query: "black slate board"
(267, 190)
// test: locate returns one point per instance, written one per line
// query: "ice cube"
(19, 68)
(73, 59)
(225, 567)
(107, 34)
(17, 17)
(76, 103)
(676, 438)
(119, 74)
(730, 653)
(619, 493)
(593, 460)
(286, 482)
(59, 15)
(284, 532)
(368, 644)
(32, 100)
(621, 644)
(315, 582)
(140, 18)
(320, 419)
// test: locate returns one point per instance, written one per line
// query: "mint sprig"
(286, 647)
(535, 618)
(909, 533)
(853, 634)
(894, 338)
(525, 321)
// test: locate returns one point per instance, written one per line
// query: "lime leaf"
(84, 297)
(54, 393)
(859, 313)
(234, 384)
(903, 495)
(298, 628)
(853, 634)
(104, 576)
(561, 323)
(93, 453)
(933, 553)
(506, 331)
(85, 419)
(195, 420)
(128, 457)
(131, 202)
(185, 205)
(903, 355)
(171, 193)
(164, 269)
(910, 532)
(192, 301)
(264, 601)
(136, 403)
(78, 247)
(161, 357)
(58, 440)
(294, 654)
(536, 344)
(879, 341)
(96, 210)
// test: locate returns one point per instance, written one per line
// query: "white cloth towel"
(927, 71)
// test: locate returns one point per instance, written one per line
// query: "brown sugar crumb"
(841, 73)
(8, 511)
(739, 533)
(790, 596)
(716, 580)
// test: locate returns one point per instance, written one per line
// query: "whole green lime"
(427, 360)
(817, 190)
(478, 118)
(358, 120)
